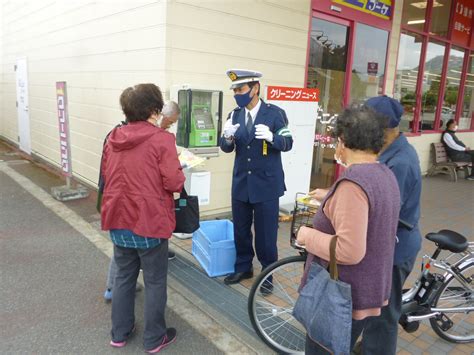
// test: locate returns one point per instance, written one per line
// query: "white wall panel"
(205, 38)
(101, 47)
(98, 47)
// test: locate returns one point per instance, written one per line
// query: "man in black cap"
(380, 333)
(258, 132)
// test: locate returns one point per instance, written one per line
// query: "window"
(440, 17)
(432, 30)
(431, 84)
(414, 13)
(327, 62)
(453, 82)
(407, 76)
(467, 108)
(368, 68)
(327, 72)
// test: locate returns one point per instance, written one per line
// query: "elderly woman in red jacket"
(142, 171)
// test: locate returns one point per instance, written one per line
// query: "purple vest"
(371, 279)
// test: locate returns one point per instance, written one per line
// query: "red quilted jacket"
(141, 170)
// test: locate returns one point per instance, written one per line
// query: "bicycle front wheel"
(270, 305)
(456, 327)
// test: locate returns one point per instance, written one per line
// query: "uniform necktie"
(249, 122)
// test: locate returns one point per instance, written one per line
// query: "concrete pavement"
(53, 266)
(52, 284)
(52, 277)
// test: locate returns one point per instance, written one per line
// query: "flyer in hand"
(308, 201)
(189, 160)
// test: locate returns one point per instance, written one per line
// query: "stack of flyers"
(189, 160)
(308, 200)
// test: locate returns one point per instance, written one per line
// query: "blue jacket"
(402, 159)
(258, 177)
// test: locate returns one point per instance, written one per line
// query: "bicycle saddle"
(449, 240)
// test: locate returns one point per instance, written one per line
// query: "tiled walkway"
(445, 205)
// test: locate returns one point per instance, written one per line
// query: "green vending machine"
(201, 119)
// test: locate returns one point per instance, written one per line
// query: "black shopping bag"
(187, 213)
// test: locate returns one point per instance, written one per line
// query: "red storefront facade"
(419, 51)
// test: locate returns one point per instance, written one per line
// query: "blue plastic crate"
(214, 248)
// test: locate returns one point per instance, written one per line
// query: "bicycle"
(444, 298)
(275, 290)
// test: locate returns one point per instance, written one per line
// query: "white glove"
(263, 132)
(230, 129)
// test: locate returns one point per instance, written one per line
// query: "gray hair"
(170, 108)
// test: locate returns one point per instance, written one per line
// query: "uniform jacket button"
(250, 172)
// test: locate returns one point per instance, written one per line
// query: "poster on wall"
(301, 107)
(379, 8)
(463, 19)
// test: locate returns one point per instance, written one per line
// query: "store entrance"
(327, 64)
(347, 64)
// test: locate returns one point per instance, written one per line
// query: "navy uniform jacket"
(258, 177)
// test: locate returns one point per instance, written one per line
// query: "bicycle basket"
(303, 214)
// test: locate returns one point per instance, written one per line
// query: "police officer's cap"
(240, 77)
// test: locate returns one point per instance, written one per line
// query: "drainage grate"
(227, 301)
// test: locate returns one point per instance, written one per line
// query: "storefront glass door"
(327, 63)
(368, 63)
(346, 62)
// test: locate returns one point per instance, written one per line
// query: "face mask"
(158, 121)
(339, 161)
(243, 99)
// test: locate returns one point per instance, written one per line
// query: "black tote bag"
(187, 213)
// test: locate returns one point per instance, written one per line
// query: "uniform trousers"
(264, 215)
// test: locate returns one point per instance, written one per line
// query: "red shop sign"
(284, 93)
(462, 21)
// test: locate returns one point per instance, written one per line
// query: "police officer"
(258, 132)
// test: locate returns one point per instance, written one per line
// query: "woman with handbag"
(359, 218)
(141, 168)
(169, 116)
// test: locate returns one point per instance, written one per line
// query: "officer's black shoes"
(236, 277)
(266, 288)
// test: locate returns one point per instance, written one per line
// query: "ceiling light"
(415, 22)
(428, 73)
(423, 4)
(420, 5)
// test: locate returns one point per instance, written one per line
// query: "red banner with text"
(284, 93)
(462, 21)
